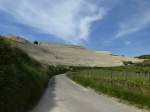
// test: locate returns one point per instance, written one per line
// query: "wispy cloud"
(127, 43)
(69, 20)
(135, 23)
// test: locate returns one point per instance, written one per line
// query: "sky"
(119, 26)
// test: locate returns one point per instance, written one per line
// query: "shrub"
(36, 42)
(127, 63)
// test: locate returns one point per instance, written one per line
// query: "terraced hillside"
(60, 54)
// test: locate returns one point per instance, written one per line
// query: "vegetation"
(36, 42)
(144, 57)
(22, 79)
(130, 82)
(147, 60)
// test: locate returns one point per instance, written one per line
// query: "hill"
(146, 60)
(17, 39)
(61, 54)
(144, 56)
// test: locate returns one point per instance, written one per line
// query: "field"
(130, 83)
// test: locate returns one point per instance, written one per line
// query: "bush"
(36, 42)
(127, 63)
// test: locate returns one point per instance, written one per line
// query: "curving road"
(63, 95)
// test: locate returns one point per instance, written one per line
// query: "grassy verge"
(22, 79)
(130, 83)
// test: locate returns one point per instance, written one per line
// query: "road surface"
(63, 95)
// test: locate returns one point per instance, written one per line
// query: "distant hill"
(144, 56)
(146, 61)
(62, 54)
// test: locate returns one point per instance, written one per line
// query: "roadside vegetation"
(22, 79)
(130, 83)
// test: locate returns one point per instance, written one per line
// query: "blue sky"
(120, 26)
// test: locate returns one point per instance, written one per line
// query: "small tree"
(127, 63)
(36, 42)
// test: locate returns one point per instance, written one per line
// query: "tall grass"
(22, 79)
(130, 83)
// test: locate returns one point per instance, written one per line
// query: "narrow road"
(63, 95)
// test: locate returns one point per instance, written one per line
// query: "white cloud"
(134, 24)
(127, 43)
(69, 20)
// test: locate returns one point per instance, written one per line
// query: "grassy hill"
(22, 79)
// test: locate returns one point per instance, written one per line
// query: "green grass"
(22, 79)
(130, 83)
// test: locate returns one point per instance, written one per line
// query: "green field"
(22, 79)
(130, 83)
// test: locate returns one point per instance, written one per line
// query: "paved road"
(63, 95)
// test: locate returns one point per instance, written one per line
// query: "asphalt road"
(63, 95)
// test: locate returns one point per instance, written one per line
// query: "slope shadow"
(47, 101)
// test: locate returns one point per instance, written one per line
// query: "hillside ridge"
(71, 55)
